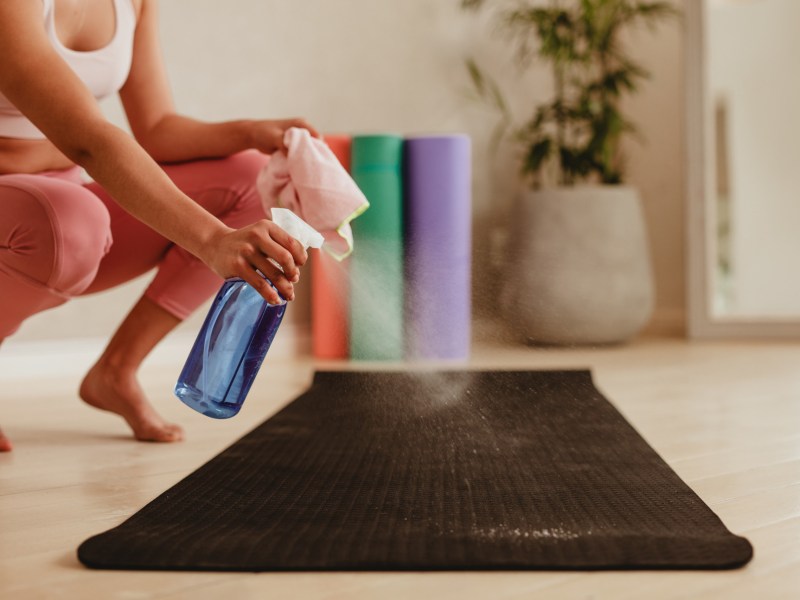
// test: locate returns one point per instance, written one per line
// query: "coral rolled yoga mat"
(330, 288)
(376, 266)
(438, 241)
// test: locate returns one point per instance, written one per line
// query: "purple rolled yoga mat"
(438, 240)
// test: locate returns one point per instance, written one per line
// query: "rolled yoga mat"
(376, 265)
(430, 470)
(330, 306)
(330, 287)
(438, 242)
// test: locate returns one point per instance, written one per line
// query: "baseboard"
(64, 357)
(669, 323)
(666, 322)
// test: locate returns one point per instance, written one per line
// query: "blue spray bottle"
(235, 338)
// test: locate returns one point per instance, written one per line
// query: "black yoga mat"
(423, 471)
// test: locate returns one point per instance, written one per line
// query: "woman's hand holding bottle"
(241, 252)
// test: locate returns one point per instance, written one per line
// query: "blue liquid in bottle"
(229, 350)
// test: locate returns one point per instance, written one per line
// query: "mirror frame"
(701, 323)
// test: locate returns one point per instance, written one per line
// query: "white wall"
(397, 65)
(762, 132)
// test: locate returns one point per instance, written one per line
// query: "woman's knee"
(242, 168)
(56, 232)
(247, 164)
(242, 171)
(225, 187)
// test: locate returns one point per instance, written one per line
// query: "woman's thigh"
(224, 187)
(53, 235)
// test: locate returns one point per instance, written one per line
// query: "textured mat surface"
(450, 470)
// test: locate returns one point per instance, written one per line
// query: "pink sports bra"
(104, 70)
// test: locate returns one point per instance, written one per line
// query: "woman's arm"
(38, 82)
(170, 137)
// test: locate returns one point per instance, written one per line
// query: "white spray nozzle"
(297, 228)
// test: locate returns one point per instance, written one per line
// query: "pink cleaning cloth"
(310, 181)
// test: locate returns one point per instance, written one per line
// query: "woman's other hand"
(238, 253)
(267, 135)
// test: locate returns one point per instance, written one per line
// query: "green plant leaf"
(472, 4)
(537, 154)
(577, 134)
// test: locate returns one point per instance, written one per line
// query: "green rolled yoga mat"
(376, 293)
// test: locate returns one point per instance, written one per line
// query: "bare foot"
(5, 443)
(117, 390)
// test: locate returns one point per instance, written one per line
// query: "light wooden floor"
(725, 416)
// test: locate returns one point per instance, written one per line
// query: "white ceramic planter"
(579, 266)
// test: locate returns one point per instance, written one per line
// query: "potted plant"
(580, 269)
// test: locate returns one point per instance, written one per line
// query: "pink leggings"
(61, 238)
